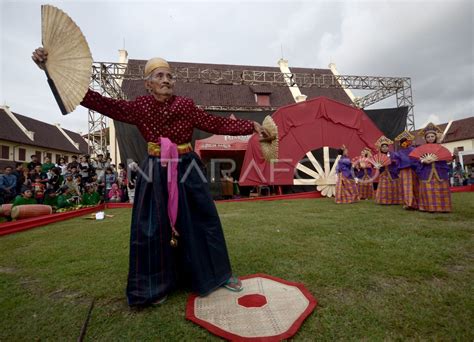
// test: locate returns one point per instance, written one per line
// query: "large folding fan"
(431, 152)
(69, 63)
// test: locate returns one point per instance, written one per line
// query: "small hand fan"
(270, 145)
(379, 160)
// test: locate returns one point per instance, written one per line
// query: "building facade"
(21, 137)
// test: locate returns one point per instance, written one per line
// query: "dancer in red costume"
(184, 215)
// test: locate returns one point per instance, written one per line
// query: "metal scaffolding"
(104, 82)
(105, 76)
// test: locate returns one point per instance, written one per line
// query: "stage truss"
(105, 77)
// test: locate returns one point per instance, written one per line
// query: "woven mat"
(268, 309)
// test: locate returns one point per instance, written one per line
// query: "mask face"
(384, 148)
(406, 143)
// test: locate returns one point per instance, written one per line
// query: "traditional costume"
(363, 172)
(90, 198)
(200, 260)
(435, 195)
(346, 187)
(406, 170)
(388, 190)
(22, 200)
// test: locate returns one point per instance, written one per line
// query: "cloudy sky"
(429, 41)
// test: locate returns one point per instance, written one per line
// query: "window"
(263, 99)
(49, 155)
(66, 159)
(58, 156)
(5, 152)
(22, 154)
(38, 156)
(460, 149)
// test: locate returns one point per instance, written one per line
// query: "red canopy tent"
(217, 146)
(221, 145)
(223, 148)
(304, 127)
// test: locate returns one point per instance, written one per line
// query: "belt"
(154, 149)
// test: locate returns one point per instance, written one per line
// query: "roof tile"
(45, 135)
(233, 95)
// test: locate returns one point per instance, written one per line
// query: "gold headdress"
(383, 140)
(405, 135)
(153, 64)
(366, 151)
(430, 128)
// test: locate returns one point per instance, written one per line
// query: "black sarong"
(200, 262)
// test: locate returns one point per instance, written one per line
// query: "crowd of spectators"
(85, 180)
(459, 176)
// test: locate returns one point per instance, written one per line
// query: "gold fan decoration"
(69, 63)
(270, 145)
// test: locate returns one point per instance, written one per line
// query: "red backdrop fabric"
(303, 127)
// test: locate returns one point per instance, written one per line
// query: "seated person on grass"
(25, 198)
(91, 196)
(51, 198)
(65, 199)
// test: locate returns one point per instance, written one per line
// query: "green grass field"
(379, 273)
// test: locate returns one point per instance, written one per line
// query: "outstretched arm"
(121, 110)
(221, 125)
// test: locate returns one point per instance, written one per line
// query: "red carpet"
(268, 309)
(21, 225)
(467, 188)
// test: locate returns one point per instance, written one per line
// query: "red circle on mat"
(252, 301)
